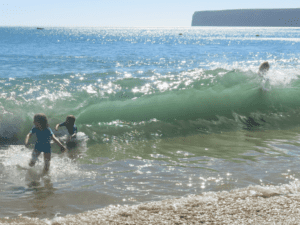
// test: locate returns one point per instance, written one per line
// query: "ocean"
(161, 113)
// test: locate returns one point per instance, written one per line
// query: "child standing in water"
(44, 134)
(72, 130)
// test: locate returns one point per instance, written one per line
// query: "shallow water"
(146, 171)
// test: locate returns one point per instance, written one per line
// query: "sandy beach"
(251, 205)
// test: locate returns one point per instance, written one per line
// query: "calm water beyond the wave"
(160, 115)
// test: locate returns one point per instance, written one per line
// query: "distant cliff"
(248, 17)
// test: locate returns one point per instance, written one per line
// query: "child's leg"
(35, 154)
(47, 158)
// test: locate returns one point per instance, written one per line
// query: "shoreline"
(251, 205)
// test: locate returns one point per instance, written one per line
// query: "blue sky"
(119, 13)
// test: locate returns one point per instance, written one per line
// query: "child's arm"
(57, 126)
(74, 135)
(75, 132)
(62, 148)
(27, 139)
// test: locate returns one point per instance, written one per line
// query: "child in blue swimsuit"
(72, 130)
(44, 134)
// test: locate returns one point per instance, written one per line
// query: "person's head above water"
(264, 67)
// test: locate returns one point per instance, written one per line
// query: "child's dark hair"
(41, 118)
(70, 119)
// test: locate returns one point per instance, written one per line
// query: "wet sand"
(251, 205)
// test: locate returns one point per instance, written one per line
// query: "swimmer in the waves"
(262, 70)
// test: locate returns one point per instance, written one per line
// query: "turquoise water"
(160, 115)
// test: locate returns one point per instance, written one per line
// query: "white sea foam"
(15, 160)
